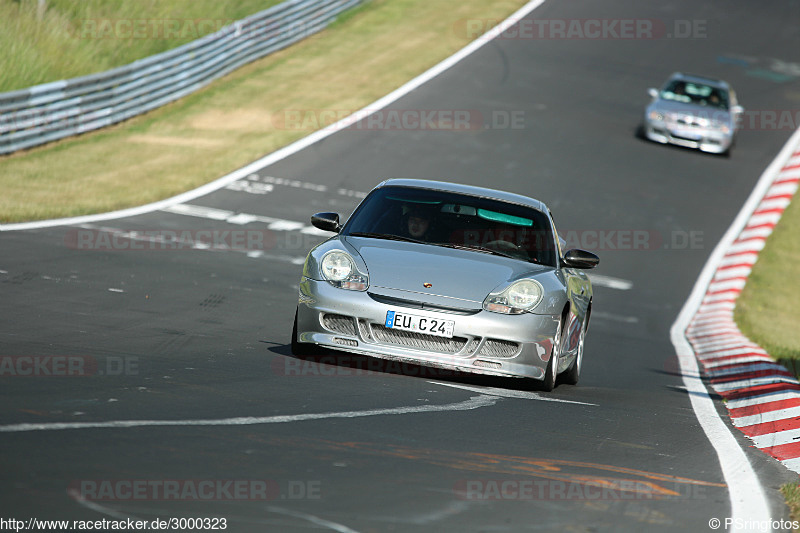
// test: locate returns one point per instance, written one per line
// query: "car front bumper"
(705, 139)
(483, 342)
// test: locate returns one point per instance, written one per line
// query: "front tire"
(551, 374)
(572, 375)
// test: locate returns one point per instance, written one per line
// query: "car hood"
(460, 278)
(667, 106)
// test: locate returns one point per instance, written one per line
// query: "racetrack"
(197, 339)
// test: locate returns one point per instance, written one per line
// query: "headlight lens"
(339, 269)
(721, 126)
(517, 298)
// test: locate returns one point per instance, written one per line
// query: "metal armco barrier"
(44, 113)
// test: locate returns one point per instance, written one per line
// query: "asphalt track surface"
(204, 333)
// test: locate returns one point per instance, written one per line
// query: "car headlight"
(721, 126)
(517, 298)
(656, 115)
(339, 269)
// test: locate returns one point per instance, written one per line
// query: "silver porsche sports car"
(448, 276)
(694, 112)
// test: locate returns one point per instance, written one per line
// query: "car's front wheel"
(551, 374)
(572, 375)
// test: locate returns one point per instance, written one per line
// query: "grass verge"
(791, 492)
(241, 117)
(70, 39)
(767, 311)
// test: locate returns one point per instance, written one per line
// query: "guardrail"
(44, 113)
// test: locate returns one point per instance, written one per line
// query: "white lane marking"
(252, 184)
(313, 519)
(615, 318)
(506, 393)
(296, 146)
(748, 501)
(170, 242)
(115, 290)
(200, 211)
(255, 184)
(474, 402)
(611, 283)
(241, 219)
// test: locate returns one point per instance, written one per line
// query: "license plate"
(688, 134)
(419, 324)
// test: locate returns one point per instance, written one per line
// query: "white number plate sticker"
(420, 324)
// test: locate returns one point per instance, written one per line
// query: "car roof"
(466, 189)
(721, 84)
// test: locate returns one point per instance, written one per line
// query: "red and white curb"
(763, 398)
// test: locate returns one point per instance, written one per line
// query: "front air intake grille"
(498, 348)
(486, 364)
(473, 345)
(363, 327)
(419, 341)
(339, 323)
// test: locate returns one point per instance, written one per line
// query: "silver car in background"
(448, 276)
(694, 112)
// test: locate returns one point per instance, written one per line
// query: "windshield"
(455, 220)
(695, 93)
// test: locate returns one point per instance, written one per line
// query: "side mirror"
(326, 221)
(580, 259)
(652, 92)
(737, 110)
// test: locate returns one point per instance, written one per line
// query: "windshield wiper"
(387, 236)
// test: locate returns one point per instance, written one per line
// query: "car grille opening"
(486, 364)
(339, 324)
(410, 339)
(499, 348)
(685, 138)
(473, 345)
(363, 327)
(345, 342)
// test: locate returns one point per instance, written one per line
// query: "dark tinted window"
(696, 93)
(449, 219)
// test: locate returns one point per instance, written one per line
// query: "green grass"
(78, 37)
(238, 119)
(791, 493)
(767, 311)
